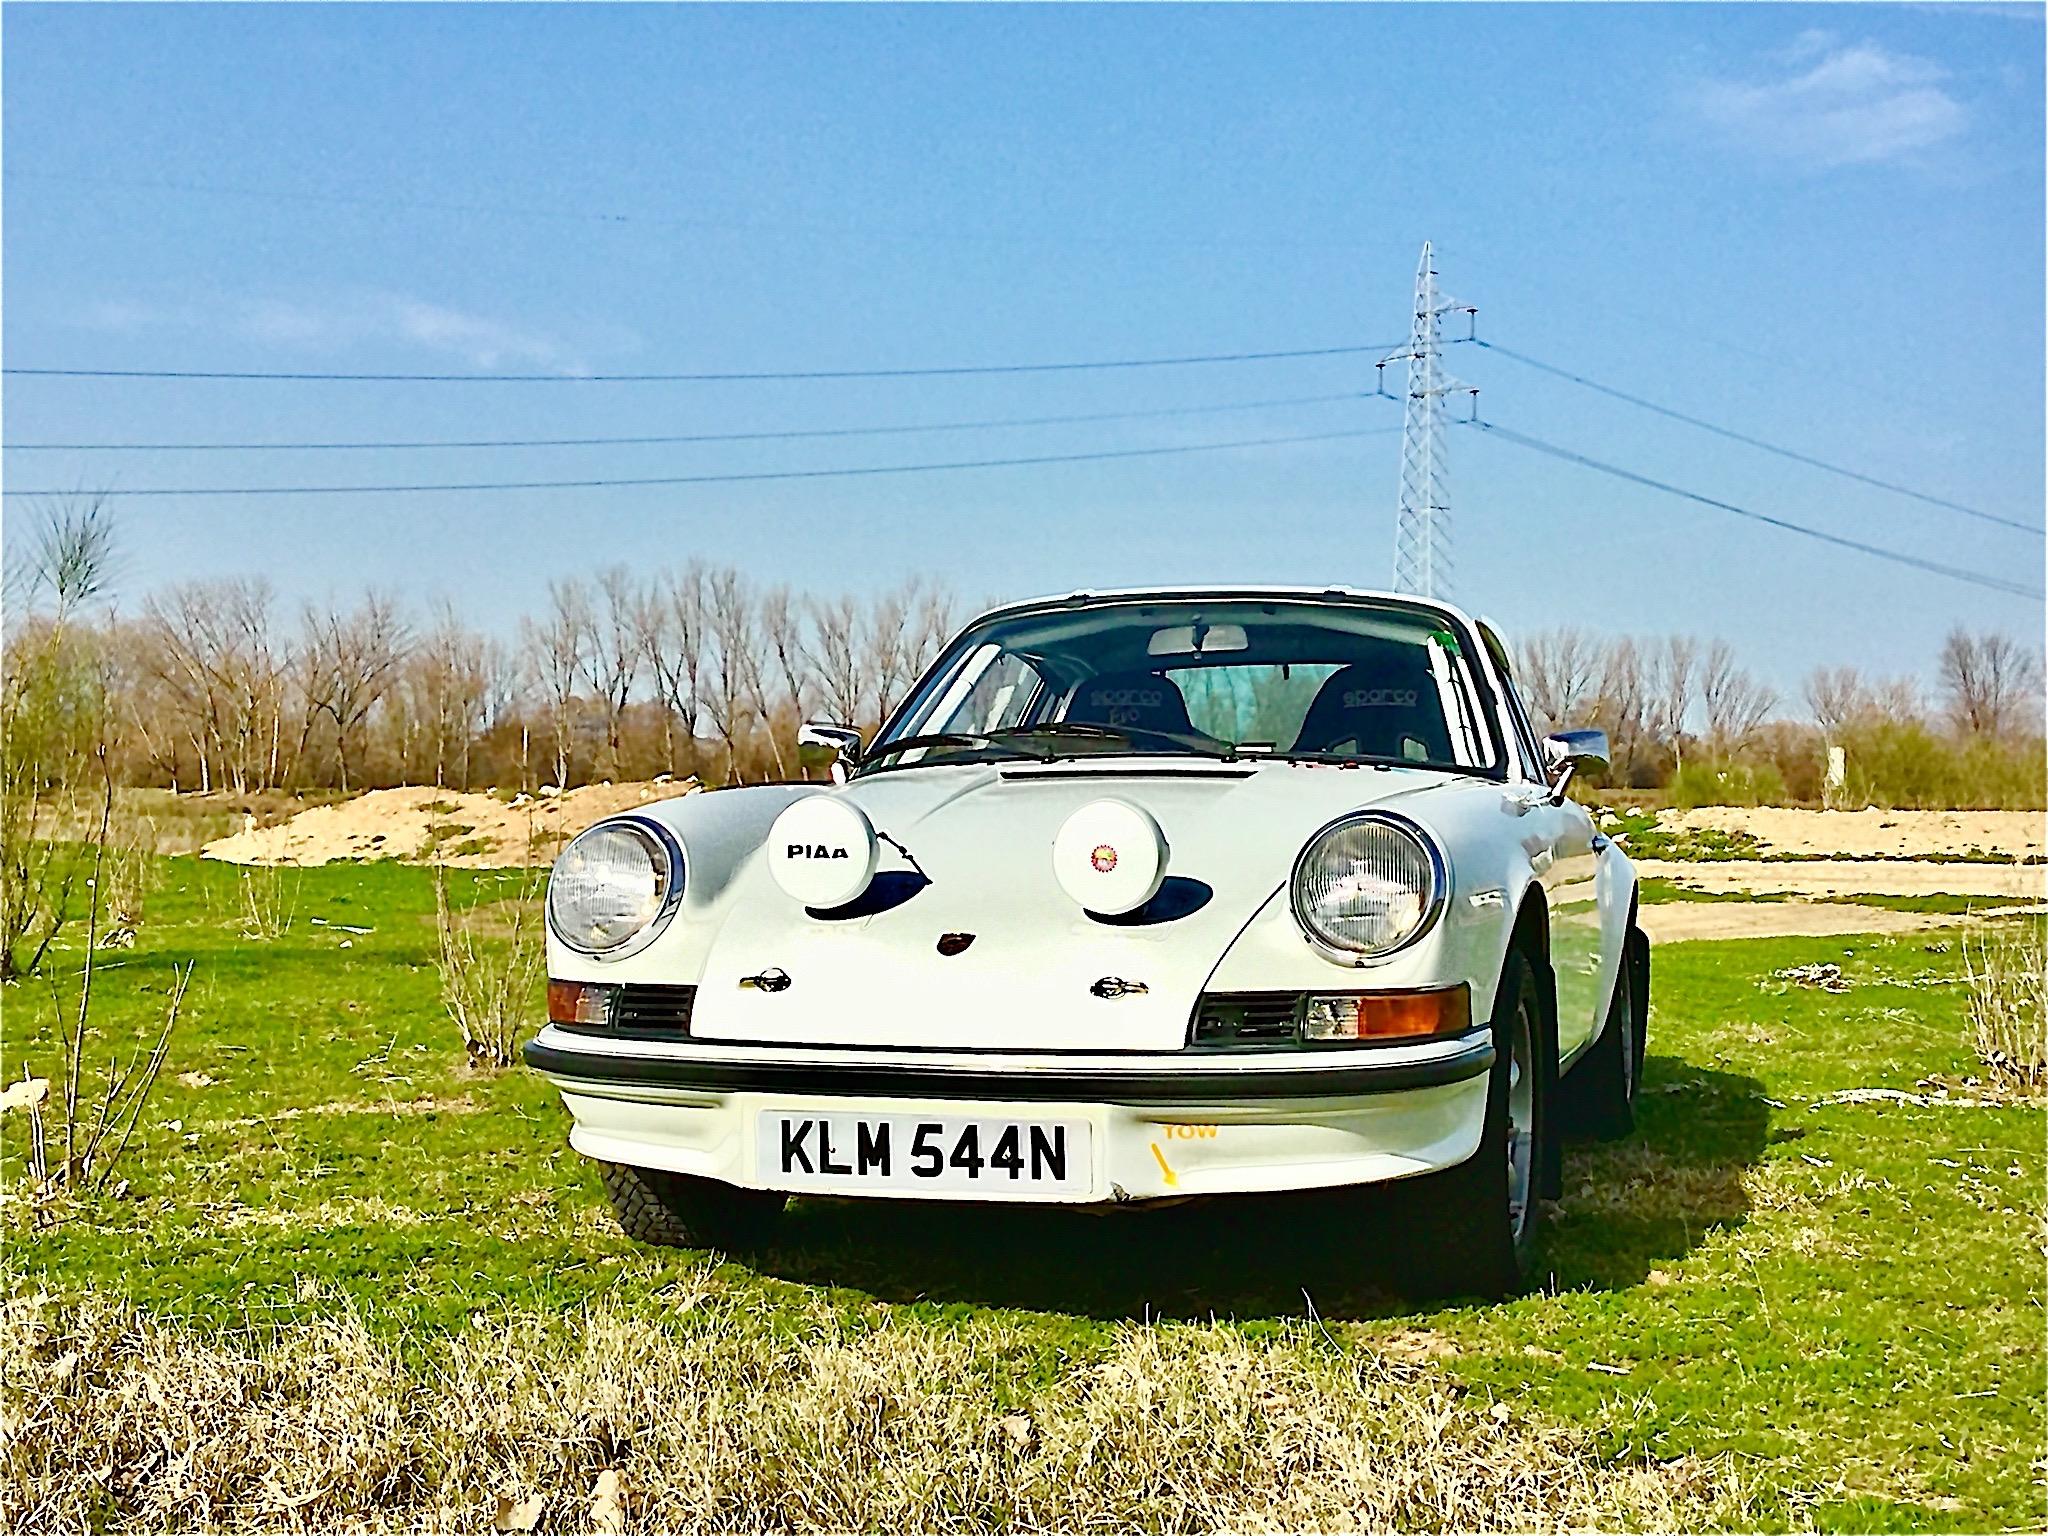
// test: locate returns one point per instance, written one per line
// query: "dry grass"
(2009, 1003)
(711, 1419)
(493, 963)
(269, 901)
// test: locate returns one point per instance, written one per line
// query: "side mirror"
(1569, 751)
(821, 744)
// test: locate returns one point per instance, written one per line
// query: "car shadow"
(1627, 1208)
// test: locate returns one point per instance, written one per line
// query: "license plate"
(993, 1159)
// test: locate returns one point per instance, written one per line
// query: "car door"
(1563, 849)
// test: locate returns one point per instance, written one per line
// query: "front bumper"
(1161, 1127)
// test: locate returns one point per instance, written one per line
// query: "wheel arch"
(1530, 937)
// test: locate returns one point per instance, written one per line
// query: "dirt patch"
(1670, 921)
(440, 826)
(1874, 833)
(1847, 877)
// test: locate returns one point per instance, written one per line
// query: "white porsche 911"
(1138, 896)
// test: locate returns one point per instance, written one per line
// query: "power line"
(1570, 456)
(644, 215)
(1757, 442)
(718, 479)
(787, 375)
(785, 435)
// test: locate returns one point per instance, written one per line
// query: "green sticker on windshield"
(1446, 639)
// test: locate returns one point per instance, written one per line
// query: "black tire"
(1471, 1230)
(1598, 1096)
(676, 1210)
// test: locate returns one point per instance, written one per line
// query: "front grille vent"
(646, 1012)
(1247, 1018)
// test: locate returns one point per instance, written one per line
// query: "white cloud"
(1839, 105)
(347, 323)
(386, 318)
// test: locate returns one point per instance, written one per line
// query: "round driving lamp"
(1368, 885)
(612, 884)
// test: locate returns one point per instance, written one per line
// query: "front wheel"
(1471, 1230)
(1598, 1096)
(676, 1210)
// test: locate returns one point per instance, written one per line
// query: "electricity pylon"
(1422, 524)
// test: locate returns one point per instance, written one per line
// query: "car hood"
(967, 851)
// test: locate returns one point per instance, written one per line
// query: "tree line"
(1685, 715)
(696, 670)
(699, 669)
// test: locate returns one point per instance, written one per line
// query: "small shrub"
(1699, 784)
(493, 963)
(1903, 765)
(269, 900)
(2009, 1003)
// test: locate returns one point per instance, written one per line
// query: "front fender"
(1491, 876)
(719, 831)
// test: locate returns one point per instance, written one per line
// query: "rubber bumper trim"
(892, 1080)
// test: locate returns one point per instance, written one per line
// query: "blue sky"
(1820, 225)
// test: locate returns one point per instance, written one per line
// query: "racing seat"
(1143, 701)
(1388, 707)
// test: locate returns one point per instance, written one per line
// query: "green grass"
(1653, 889)
(1844, 1297)
(1932, 901)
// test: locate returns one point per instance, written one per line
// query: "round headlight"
(1368, 884)
(610, 884)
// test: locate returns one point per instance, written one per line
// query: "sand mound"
(1850, 877)
(439, 826)
(1671, 921)
(1875, 833)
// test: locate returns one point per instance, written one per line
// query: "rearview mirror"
(1197, 639)
(1567, 752)
(821, 744)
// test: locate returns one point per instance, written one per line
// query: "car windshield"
(1321, 681)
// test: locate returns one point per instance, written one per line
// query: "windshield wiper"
(971, 739)
(1017, 736)
(1195, 746)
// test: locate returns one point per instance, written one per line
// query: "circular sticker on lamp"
(823, 851)
(1110, 857)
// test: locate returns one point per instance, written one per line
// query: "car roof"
(1088, 595)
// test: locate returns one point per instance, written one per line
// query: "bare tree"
(612, 653)
(935, 623)
(1989, 682)
(1620, 703)
(552, 650)
(1670, 691)
(781, 665)
(891, 646)
(836, 647)
(212, 644)
(1735, 702)
(54, 730)
(350, 662)
(671, 624)
(729, 611)
(1837, 696)
(1558, 671)
(450, 692)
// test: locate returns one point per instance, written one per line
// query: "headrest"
(1382, 708)
(1145, 700)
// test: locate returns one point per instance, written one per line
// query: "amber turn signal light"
(1388, 1015)
(579, 1002)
